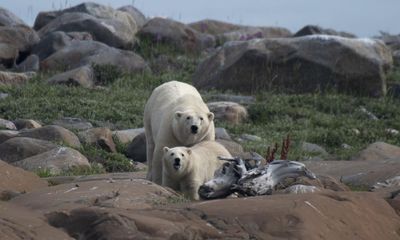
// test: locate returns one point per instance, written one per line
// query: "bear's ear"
(178, 114)
(210, 116)
(188, 151)
(166, 149)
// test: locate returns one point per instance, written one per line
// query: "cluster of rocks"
(236, 57)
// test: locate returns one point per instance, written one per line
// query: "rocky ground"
(72, 146)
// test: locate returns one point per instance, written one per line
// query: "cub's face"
(190, 127)
(176, 160)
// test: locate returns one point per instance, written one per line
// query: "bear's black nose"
(194, 128)
(177, 160)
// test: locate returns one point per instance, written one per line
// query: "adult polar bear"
(174, 115)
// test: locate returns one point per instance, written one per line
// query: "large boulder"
(176, 35)
(317, 30)
(8, 18)
(303, 64)
(7, 134)
(214, 27)
(81, 53)
(5, 124)
(20, 37)
(127, 135)
(8, 55)
(81, 76)
(54, 161)
(18, 180)
(52, 133)
(18, 148)
(137, 15)
(26, 123)
(115, 28)
(54, 41)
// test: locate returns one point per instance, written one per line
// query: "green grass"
(75, 171)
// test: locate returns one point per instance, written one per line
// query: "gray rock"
(222, 133)
(230, 112)
(20, 37)
(55, 161)
(51, 43)
(137, 15)
(81, 76)
(8, 18)
(43, 18)
(26, 123)
(127, 135)
(7, 134)
(8, 55)
(316, 30)
(136, 150)
(52, 133)
(81, 53)
(176, 35)
(18, 148)
(303, 64)
(5, 124)
(116, 31)
(73, 123)
(3, 95)
(30, 64)
(313, 149)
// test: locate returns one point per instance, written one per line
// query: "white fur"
(171, 110)
(197, 166)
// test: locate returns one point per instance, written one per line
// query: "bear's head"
(191, 127)
(176, 160)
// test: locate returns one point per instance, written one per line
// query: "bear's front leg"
(156, 170)
(190, 189)
(169, 182)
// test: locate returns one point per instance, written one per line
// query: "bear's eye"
(172, 154)
(187, 118)
(201, 118)
(183, 155)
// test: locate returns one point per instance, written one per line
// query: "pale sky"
(365, 18)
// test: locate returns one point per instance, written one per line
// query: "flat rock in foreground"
(126, 194)
(18, 180)
(325, 215)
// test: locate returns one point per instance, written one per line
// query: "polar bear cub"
(186, 169)
(174, 115)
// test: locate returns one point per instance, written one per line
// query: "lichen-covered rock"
(315, 30)
(12, 78)
(99, 137)
(8, 18)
